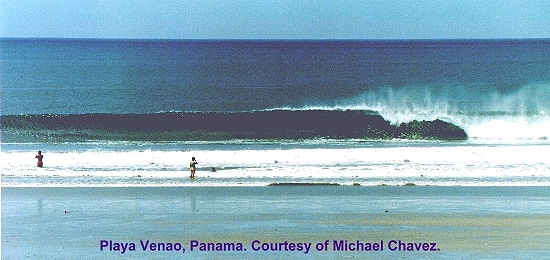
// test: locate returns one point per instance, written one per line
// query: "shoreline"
(407, 192)
(83, 181)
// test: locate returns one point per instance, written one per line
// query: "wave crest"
(521, 113)
(210, 126)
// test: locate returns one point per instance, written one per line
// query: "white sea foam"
(523, 114)
(430, 164)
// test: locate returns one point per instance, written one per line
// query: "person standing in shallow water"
(192, 166)
(39, 156)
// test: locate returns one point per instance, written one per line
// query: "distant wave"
(210, 126)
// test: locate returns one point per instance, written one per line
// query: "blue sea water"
(85, 93)
(56, 76)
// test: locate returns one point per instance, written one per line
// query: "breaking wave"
(211, 126)
(522, 113)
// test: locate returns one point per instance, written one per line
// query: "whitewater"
(256, 163)
(519, 115)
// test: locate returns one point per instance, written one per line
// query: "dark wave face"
(278, 124)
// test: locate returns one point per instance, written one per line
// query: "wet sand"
(52, 223)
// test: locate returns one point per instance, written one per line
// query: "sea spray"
(487, 113)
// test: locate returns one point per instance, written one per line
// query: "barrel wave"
(184, 126)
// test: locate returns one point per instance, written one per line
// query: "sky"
(275, 19)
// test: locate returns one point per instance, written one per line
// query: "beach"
(319, 149)
(431, 222)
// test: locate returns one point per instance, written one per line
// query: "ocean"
(134, 112)
(355, 142)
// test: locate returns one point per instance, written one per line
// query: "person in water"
(192, 166)
(39, 156)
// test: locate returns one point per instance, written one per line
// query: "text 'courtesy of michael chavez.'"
(336, 245)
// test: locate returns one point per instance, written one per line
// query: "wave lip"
(210, 126)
